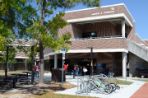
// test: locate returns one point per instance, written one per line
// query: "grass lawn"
(124, 82)
(119, 81)
(142, 79)
(2, 72)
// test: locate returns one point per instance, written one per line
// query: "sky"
(138, 9)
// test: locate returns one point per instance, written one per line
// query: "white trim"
(106, 37)
(51, 53)
(97, 50)
(84, 9)
(81, 10)
(129, 12)
(100, 18)
(88, 51)
(20, 57)
(104, 7)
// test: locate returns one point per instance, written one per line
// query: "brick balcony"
(99, 43)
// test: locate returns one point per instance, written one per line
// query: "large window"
(89, 35)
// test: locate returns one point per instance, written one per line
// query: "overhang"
(97, 18)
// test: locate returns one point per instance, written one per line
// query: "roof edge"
(100, 17)
(104, 7)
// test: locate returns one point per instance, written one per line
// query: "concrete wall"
(136, 62)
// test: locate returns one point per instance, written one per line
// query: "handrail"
(139, 50)
(94, 38)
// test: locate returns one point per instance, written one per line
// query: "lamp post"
(91, 60)
(63, 51)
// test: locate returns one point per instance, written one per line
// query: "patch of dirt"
(39, 89)
(16, 96)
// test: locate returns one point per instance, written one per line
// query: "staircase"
(139, 50)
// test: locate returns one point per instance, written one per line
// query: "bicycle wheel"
(108, 89)
(113, 86)
(101, 76)
(117, 87)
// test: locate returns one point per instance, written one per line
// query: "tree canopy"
(39, 20)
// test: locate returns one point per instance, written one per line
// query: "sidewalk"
(124, 92)
(142, 92)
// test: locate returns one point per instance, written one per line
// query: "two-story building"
(106, 32)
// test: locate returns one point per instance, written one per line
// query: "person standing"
(65, 67)
(76, 70)
(37, 68)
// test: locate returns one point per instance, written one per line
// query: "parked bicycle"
(98, 83)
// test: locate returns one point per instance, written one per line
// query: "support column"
(123, 28)
(91, 57)
(124, 62)
(26, 67)
(55, 61)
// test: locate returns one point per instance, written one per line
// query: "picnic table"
(22, 78)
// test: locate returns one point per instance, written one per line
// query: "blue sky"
(138, 9)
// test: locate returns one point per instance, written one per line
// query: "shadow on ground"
(36, 89)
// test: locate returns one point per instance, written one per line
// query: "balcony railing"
(102, 37)
(99, 42)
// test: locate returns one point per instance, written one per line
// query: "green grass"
(123, 82)
(119, 81)
(2, 72)
(142, 79)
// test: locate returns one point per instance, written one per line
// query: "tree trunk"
(6, 63)
(41, 48)
(41, 62)
(32, 64)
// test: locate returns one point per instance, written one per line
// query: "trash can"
(57, 75)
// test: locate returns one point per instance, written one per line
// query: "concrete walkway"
(124, 92)
(141, 92)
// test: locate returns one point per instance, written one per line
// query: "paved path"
(128, 91)
(141, 92)
(124, 92)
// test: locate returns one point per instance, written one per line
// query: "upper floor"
(99, 22)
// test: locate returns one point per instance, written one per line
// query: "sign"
(63, 50)
(103, 12)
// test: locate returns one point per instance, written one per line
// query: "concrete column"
(124, 63)
(55, 61)
(123, 28)
(26, 67)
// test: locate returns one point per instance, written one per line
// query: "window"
(89, 35)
